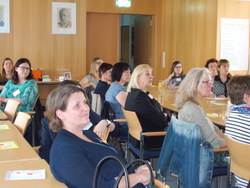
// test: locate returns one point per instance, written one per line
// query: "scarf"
(242, 108)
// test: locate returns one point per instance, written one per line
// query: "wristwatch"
(108, 123)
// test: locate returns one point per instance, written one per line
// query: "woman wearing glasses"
(176, 75)
(22, 87)
(93, 78)
(197, 85)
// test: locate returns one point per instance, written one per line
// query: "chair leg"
(33, 130)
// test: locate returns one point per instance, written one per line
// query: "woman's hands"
(144, 174)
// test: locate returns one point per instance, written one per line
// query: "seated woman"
(238, 123)
(97, 124)
(92, 79)
(105, 79)
(198, 84)
(176, 75)
(222, 79)
(75, 153)
(117, 93)
(7, 71)
(212, 66)
(22, 87)
(148, 110)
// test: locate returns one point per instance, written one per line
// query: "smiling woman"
(22, 87)
(75, 153)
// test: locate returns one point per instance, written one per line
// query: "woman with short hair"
(212, 66)
(222, 79)
(238, 123)
(117, 93)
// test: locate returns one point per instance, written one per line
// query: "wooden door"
(102, 37)
(125, 43)
(142, 40)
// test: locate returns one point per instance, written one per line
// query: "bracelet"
(108, 122)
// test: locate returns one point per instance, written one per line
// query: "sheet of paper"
(212, 115)
(219, 104)
(8, 145)
(25, 174)
(4, 127)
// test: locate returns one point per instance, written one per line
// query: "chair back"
(159, 184)
(133, 124)
(106, 135)
(239, 153)
(96, 103)
(11, 109)
(33, 107)
(22, 121)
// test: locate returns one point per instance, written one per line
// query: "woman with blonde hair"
(93, 78)
(196, 85)
(148, 110)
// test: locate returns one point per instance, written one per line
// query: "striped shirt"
(238, 128)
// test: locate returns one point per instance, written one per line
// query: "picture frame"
(63, 18)
(4, 16)
(67, 76)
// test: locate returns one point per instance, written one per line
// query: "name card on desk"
(8, 145)
(4, 127)
(25, 174)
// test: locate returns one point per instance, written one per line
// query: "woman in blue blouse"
(22, 87)
(75, 153)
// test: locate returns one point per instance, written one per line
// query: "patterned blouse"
(27, 92)
(220, 88)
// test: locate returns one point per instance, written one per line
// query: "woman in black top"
(148, 110)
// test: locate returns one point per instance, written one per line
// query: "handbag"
(123, 172)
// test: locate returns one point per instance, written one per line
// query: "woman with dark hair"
(238, 123)
(7, 71)
(117, 93)
(22, 87)
(176, 75)
(105, 79)
(222, 79)
(212, 66)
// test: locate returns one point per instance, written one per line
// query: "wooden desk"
(24, 152)
(49, 182)
(3, 116)
(45, 88)
(216, 109)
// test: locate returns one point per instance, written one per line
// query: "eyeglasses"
(208, 82)
(24, 68)
(178, 67)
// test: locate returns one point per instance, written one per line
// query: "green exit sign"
(123, 3)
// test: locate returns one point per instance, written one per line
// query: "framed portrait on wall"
(67, 76)
(4, 16)
(63, 18)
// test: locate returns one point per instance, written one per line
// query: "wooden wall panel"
(137, 7)
(103, 37)
(190, 32)
(31, 37)
(232, 9)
